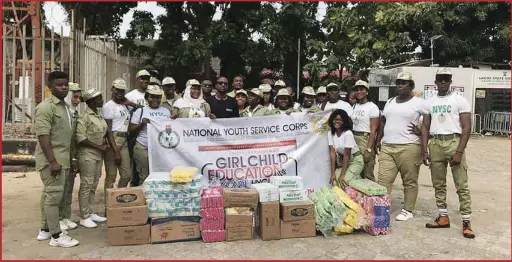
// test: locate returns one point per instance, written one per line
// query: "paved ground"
(489, 161)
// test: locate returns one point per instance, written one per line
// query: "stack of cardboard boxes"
(267, 219)
(297, 212)
(127, 217)
(240, 204)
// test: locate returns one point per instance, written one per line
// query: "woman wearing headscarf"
(308, 104)
(284, 103)
(347, 163)
(241, 101)
(366, 122)
(255, 107)
(192, 104)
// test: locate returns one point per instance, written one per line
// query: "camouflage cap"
(257, 92)
(74, 87)
(154, 90)
(142, 72)
(119, 84)
(404, 76)
(308, 90)
(444, 71)
(90, 94)
(265, 88)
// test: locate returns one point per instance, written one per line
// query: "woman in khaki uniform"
(255, 107)
(284, 103)
(308, 104)
(192, 104)
(91, 132)
(242, 102)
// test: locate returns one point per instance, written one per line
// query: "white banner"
(492, 79)
(242, 151)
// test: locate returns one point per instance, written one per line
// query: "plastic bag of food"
(343, 229)
(368, 187)
(182, 175)
(346, 199)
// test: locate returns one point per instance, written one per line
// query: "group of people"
(115, 134)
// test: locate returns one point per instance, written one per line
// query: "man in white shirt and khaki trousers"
(447, 122)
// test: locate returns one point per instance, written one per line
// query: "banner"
(243, 151)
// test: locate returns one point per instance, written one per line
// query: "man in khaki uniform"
(447, 122)
(53, 126)
(90, 135)
(321, 97)
(169, 97)
(255, 107)
(284, 103)
(308, 101)
(65, 211)
(401, 147)
(117, 116)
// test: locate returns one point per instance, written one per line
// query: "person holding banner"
(266, 91)
(308, 104)
(400, 150)
(347, 163)
(255, 107)
(91, 132)
(366, 121)
(241, 101)
(334, 100)
(192, 104)
(222, 106)
(138, 125)
(118, 158)
(284, 103)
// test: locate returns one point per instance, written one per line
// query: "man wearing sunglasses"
(445, 133)
(222, 106)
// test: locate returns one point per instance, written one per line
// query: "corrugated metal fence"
(93, 62)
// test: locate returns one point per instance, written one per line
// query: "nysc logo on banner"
(320, 124)
(168, 138)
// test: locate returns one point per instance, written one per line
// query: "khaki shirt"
(92, 127)
(185, 112)
(313, 109)
(258, 111)
(167, 105)
(52, 118)
(276, 111)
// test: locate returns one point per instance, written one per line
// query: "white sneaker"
(97, 218)
(404, 215)
(63, 226)
(63, 241)
(70, 224)
(43, 235)
(88, 223)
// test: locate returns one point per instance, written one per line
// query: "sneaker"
(70, 224)
(404, 215)
(88, 223)
(63, 226)
(43, 235)
(467, 232)
(63, 241)
(439, 222)
(97, 218)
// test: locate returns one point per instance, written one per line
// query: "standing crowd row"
(408, 132)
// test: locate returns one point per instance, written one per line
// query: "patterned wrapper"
(213, 236)
(377, 209)
(210, 224)
(212, 213)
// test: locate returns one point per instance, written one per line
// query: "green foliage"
(142, 26)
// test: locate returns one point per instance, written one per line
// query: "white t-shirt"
(119, 114)
(135, 96)
(154, 115)
(398, 117)
(339, 105)
(362, 115)
(444, 112)
(346, 140)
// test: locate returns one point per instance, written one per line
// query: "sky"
(56, 15)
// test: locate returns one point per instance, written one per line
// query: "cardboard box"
(240, 197)
(127, 216)
(125, 197)
(175, 229)
(298, 228)
(292, 195)
(303, 210)
(130, 235)
(239, 221)
(269, 223)
(239, 233)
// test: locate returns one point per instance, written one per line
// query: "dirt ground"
(489, 180)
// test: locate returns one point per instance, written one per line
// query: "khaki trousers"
(369, 163)
(90, 173)
(441, 152)
(125, 168)
(140, 155)
(51, 198)
(353, 172)
(405, 159)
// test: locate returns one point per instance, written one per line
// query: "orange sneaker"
(467, 232)
(439, 222)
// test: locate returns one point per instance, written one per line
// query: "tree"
(142, 26)
(100, 18)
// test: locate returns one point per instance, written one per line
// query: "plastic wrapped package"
(368, 187)
(355, 195)
(212, 213)
(343, 229)
(181, 174)
(158, 186)
(377, 209)
(212, 198)
(159, 208)
(351, 219)
(328, 211)
(239, 211)
(211, 224)
(345, 198)
(213, 236)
